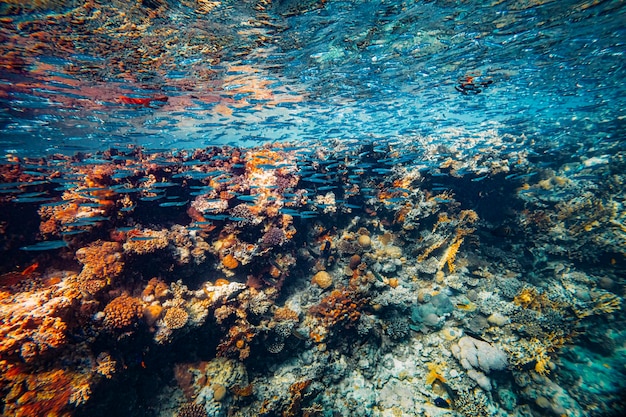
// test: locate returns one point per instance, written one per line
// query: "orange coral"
(51, 333)
(242, 391)
(122, 312)
(237, 342)
(41, 394)
(155, 289)
(145, 241)
(152, 313)
(275, 272)
(102, 261)
(323, 279)
(221, 282)
(297, 391)
(339, 307)
(32, 320)
(285, 313)
(230, 262)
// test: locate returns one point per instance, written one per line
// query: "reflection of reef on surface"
(291, 280)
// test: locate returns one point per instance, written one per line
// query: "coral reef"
(280, 281)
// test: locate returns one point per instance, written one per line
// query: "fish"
(382, 171)
(174, 203)
(215, 216)
(317, 180)
(164, 184)
(31, 199)
(237, 219)
(441, 403)
(142, 101)
(73, 232)
(56, 203)
(45, 245)
(251, 198)
(30, 269)
(152, 198)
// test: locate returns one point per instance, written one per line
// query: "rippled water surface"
(246, 72)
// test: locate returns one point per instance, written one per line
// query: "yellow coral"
(542, 366)
(449, 255)
(606, 303)
(529, 297)
(175, 318)
(435, 372)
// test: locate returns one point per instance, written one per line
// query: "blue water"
(341, 70)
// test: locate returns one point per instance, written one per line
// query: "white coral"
(476, 354)
(479, 357)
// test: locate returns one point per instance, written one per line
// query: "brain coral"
(122, 311)
(175, 318)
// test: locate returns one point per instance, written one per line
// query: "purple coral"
(273, 237)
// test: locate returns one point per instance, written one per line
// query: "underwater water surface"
(312, 208)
